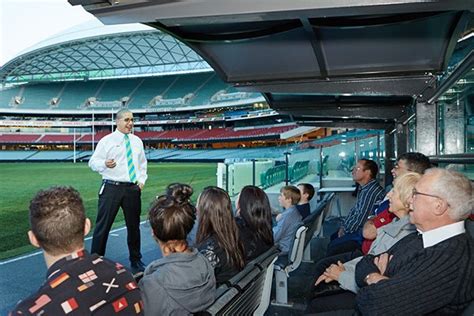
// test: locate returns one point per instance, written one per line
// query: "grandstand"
(160, 93)
(68, 104)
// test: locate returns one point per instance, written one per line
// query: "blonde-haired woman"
(387, 236)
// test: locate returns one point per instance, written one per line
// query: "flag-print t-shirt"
(84, 284)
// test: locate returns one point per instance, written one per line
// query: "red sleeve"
(383, 218)
(366, 246)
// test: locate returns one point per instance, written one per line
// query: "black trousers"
(111, 198)
(335, 298)
(347, 243)
(337, 304)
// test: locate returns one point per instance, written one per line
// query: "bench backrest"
(243, 293)
(296, 255)
(314, 221)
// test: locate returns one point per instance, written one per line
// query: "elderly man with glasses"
(429, 272)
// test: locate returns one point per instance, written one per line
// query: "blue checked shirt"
(368, 198)
(285, 230)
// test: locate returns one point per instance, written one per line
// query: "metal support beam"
(427, 141)
(454, 127)
(369, 86)
(466, 158)
(464, 67)
(344, 123)
(390, 155)
(401, 139)
(316, 43)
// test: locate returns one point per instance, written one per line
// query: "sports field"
(21, 181)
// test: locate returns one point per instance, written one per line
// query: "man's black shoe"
(137, 266)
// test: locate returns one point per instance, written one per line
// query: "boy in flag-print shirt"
(77, 282)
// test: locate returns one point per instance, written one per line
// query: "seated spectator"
(307, 193)
(289, 221)
(254, 219)
(175, 190)
(343, 271)
(76, 281)
(431, 272)
(218, 236)
(407, 162)
(369, 195)
(182, 282)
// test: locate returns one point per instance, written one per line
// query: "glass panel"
(331, 157)
(467, 169)
(456, 117)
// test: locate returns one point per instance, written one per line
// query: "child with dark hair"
(254, 219)
(182, 282)
(218, 235)
(307, 193)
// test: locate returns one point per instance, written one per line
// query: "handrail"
(464, 66)
(464, 158)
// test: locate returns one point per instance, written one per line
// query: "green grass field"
(21, 181)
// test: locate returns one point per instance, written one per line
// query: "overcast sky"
(24, 23)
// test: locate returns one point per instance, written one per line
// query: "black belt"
(124, 184)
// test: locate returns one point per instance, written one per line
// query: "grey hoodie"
(178, 284)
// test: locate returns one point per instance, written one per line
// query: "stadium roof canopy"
(329, 61)
(95, 51)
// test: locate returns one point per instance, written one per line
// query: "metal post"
(426, 128)
(74, 145)
(390, 155)
(93, 130)
(378, 155)
(321, 158)
(226, 177)
(253, 171)
(287, 180)
(378, 148)
(112, 121)
(356, 155)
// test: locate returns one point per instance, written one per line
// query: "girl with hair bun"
(182, 282)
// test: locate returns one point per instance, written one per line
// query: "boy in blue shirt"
(289, 221)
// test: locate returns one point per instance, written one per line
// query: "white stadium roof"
(92, 50)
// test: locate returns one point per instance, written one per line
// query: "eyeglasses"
(357, 168)
(415, 192)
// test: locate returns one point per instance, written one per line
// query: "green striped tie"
(131, 167)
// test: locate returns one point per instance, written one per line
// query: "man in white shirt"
(120, 159)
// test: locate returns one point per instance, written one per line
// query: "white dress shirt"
(112, 146)
(437, 235)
